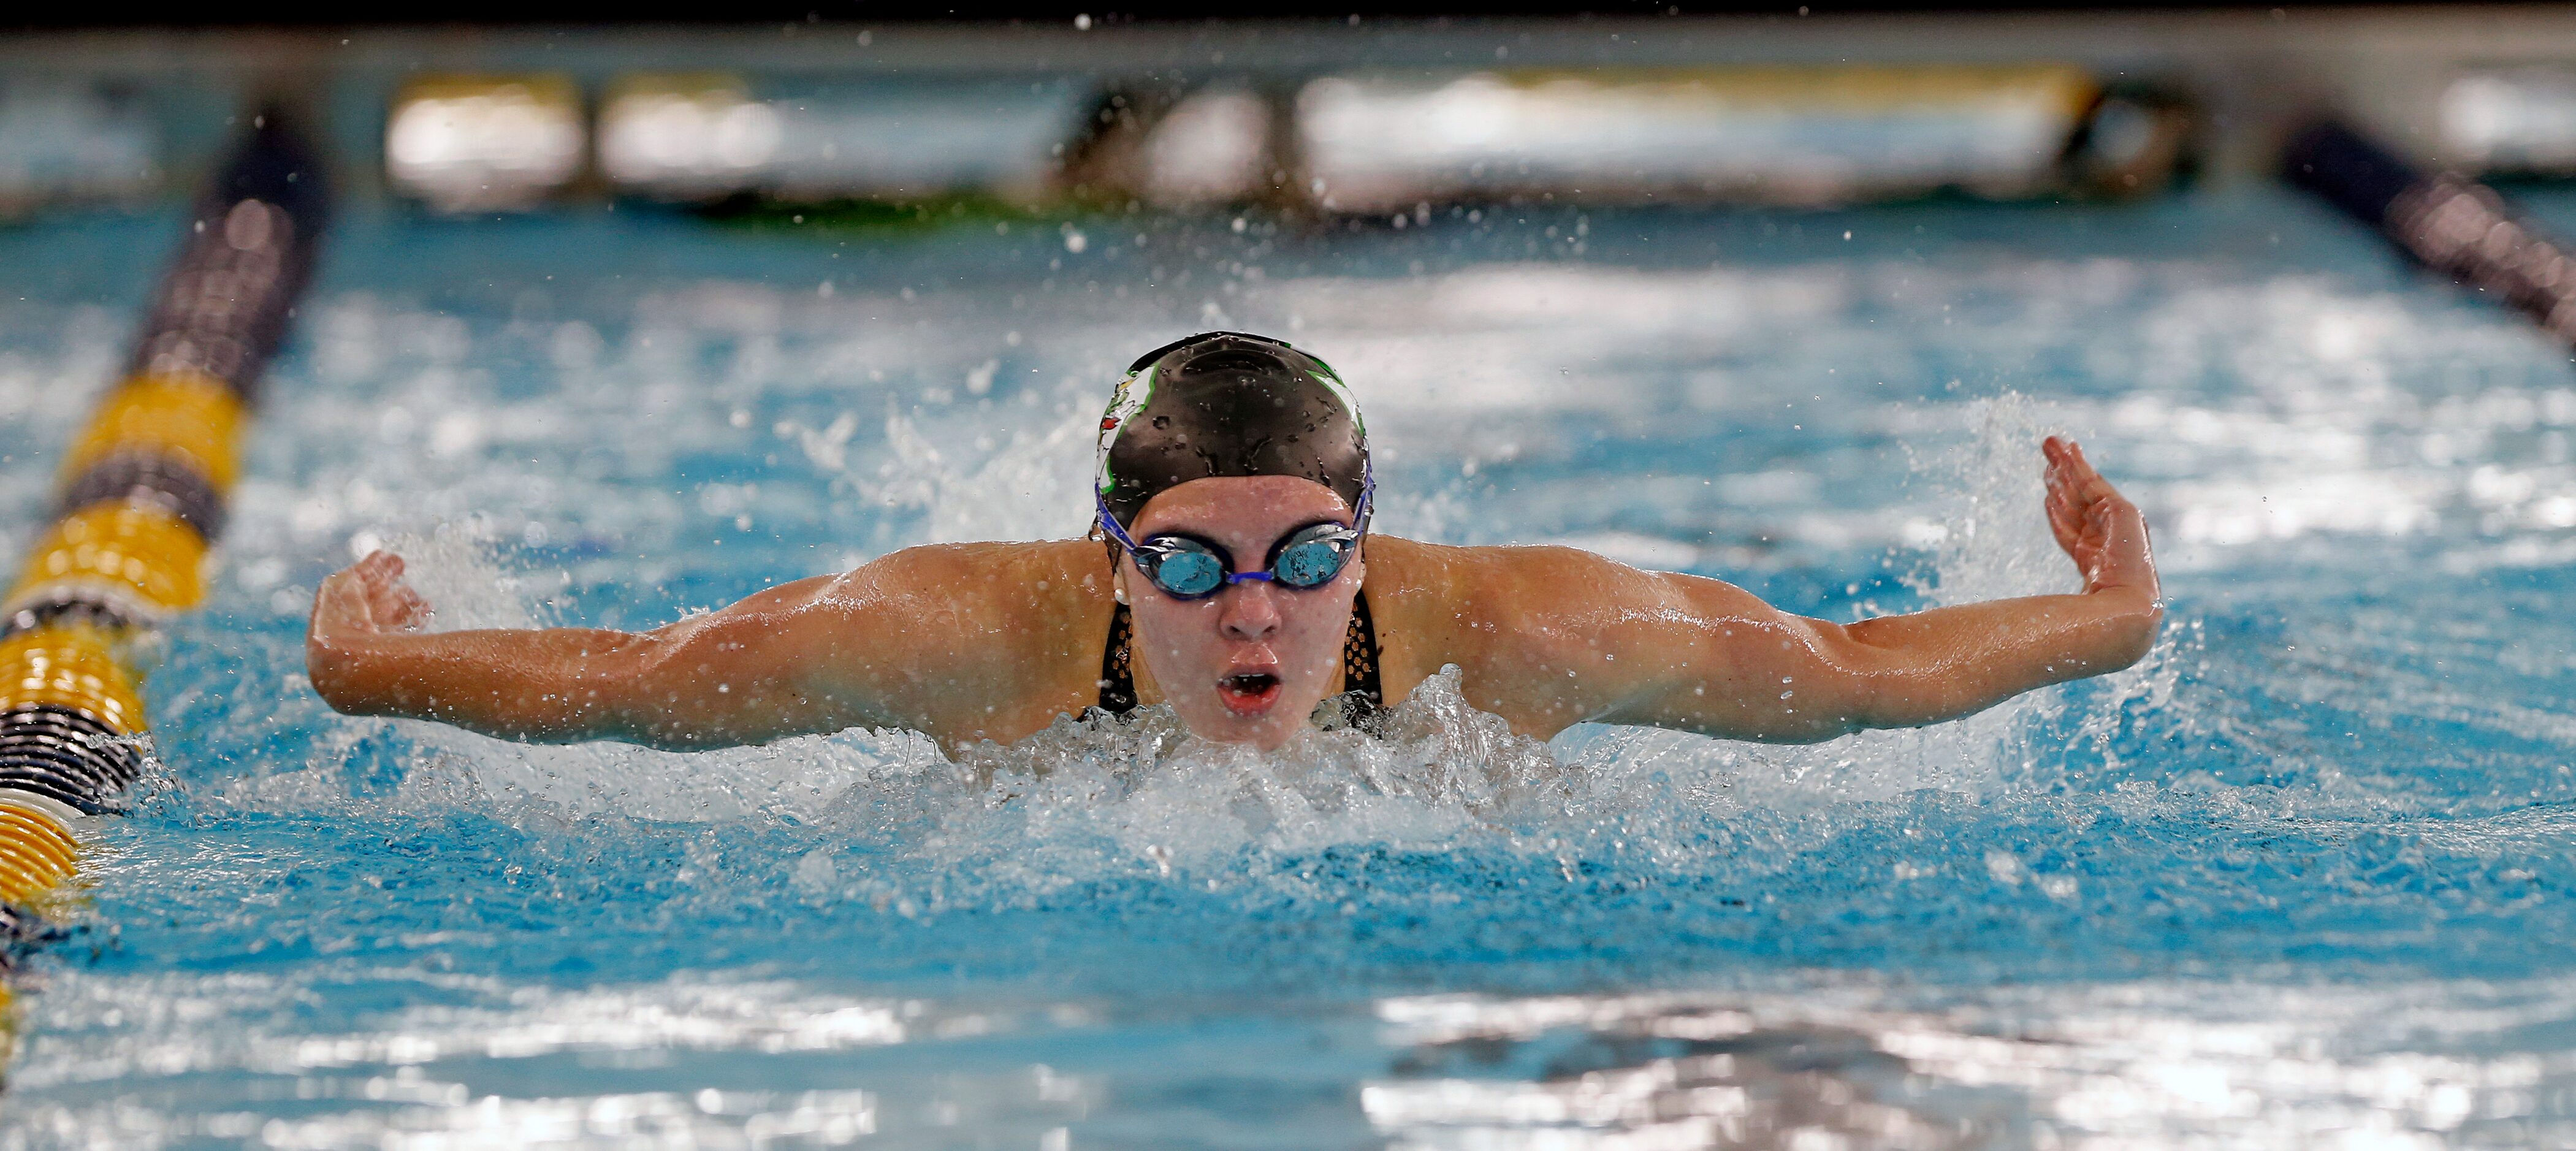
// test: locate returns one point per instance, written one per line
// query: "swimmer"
(1230, 574)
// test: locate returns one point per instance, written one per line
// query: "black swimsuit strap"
(1359, 658)
(1359, 662)
(1117, 669)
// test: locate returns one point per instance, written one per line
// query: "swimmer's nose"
(1249, 610)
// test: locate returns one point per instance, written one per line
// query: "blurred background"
(482, 110)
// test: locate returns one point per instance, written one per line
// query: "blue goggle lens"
(1185, 568)
(1313, 556)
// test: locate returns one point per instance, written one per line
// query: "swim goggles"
(1187, 567)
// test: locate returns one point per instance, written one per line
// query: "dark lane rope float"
(2442, 220)
(139, 505)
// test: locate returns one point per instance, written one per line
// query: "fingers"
(2113, 548)
(391, 603)
(379, 563)
(2090, 486)
(339, 607)
(2099, 528)
(369, 596)
(2067, 497)
(2064, 520)
(2073, 477)
(2069, 470)
(397, 606)
(2124, 556)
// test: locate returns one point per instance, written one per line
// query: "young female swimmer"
(1242, 588)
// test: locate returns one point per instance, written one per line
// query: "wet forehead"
(1240, 511)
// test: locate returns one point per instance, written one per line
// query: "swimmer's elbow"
(1861, 682)
(634, 691)
(693, 690)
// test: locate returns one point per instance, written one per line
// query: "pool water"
(2302, 878)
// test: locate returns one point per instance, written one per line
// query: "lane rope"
(138, 507)
(2441, 220)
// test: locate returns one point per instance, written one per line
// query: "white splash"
(1090, 798)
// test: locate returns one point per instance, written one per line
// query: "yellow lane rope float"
(139, 505)
(124, 554)
(188, 418)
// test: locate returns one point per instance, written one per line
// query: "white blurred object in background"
(1784, 134)
(2519, 120)
(1212, 148)
(683, 138)
(485, 143)
(72, 143)
(686, 137)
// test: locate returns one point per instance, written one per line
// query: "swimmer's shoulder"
(1437, 604)
(1462, 582)
(995, 639)
(1002, 588)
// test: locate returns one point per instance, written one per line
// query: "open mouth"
(1249, 692)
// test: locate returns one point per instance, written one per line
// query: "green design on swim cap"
(1341, 391)
(1133, 391)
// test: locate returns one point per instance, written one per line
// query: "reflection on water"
(1669, 1077)
(1832, 1064)
(2141, 1065)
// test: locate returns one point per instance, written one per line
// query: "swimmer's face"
(1248, 664)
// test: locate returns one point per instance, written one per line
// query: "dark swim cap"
(1228, 404)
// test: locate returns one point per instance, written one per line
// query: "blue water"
(2302, 878)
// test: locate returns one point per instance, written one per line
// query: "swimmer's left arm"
(1702, 655)
(886, 645)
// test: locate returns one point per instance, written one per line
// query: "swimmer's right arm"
(869, 648)
(1554, 636)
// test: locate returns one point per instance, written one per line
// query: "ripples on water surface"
(2303, 878)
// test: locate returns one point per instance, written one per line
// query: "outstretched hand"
(2099, 528)
(368, 597)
